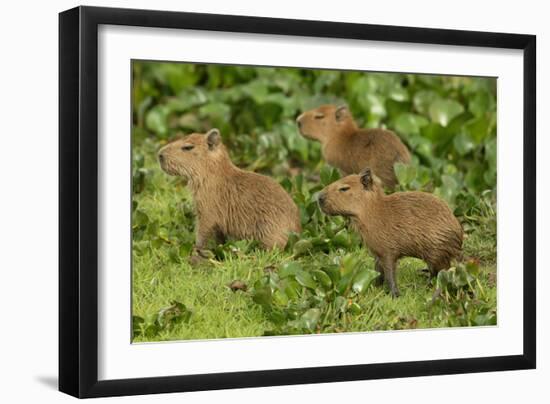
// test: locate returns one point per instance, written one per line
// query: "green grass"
(162, 274)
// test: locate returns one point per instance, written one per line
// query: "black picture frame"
(78, 201)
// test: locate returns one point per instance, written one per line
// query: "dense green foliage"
(322, 282)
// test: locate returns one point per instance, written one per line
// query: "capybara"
(403, 224)
(230, 202)
(351, 149)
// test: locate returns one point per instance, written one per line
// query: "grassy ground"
(163, 228)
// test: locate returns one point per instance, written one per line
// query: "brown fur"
(403, 224)
(230, 202)
(351, 149)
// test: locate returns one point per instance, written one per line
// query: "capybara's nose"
(299, 121)
(161, 157)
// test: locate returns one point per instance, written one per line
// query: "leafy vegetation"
(324, 280)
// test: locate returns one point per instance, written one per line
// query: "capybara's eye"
(319, 116)
(343, 189)
(187, 147)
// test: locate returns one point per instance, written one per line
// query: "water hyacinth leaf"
(292, 289)
(340, 304)
(395, 108)
(322, 278)
(442, 111)
(156, 120)
(277, 317)
(410, 124)
(286, 184)
(442, 280)
(405, 173)
(354, 308)
(305, 279)
(348, 264)
(478, 129)
(480, 104)
(328, 175)
(435, 133)
(280, 298)
(140, 218)
(423, 99)
(474, 178)
(491, 152)
(472, 268)
(262, 296)
(344, 284)
(310, 319)
(363, 280)
(289, 269)
(463, 144)
(485, 319)
(302, 247)
(333, 272)
(215, 112)
(341, 239)
(398, 93)
(448, 189)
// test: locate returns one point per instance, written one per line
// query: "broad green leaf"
(463, 144)
(341, 239)
(348, 264)
(448, 189)
(302, 247)
(363, 280)
(289, 269)
(140, 218)
(399, 94)
(354, 308)
(340, 304)
(322, 278)
(344, 284)
(478, 129)
(310, 318)
(333, 272)
(405, 173)
(442, 111)
(262, 296)
(410, 124)
(280, 298)
(423, 99)
(156, 120)
(480, 104)
(291, 289)
(305, 279)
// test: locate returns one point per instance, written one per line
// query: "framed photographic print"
(251, 201)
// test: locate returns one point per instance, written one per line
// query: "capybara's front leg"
(389, 265)
(205, 232)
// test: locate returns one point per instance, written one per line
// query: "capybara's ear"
(341, 112)
(366, 178)
(213, 138)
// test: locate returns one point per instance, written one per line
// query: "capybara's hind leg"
(274, 240)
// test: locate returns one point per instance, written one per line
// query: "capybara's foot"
(196, 260)
(379, 281)
(395, 293)
(199, 256)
